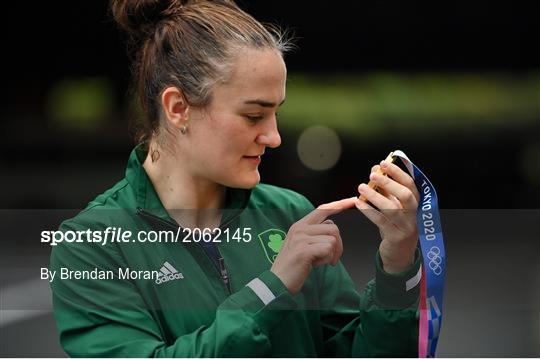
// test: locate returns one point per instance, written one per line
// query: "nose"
(270, 136)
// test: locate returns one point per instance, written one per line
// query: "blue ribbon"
(434, 259)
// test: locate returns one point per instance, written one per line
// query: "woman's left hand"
(396, 205)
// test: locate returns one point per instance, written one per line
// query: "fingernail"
(373, 177)
(362, 187)
(384, 164)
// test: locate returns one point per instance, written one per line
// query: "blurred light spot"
(319, 148)
(81, 103)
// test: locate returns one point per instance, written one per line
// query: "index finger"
(401, 177)
(319, 214)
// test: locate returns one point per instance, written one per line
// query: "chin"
(247, 181)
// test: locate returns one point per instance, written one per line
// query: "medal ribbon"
(434, 261)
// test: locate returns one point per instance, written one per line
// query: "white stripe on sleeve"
(413, 282)
(262, 290)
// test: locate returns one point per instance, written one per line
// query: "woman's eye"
(254, 118)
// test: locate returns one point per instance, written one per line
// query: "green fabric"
(197, 316)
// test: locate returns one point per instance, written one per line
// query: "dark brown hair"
(188, 45)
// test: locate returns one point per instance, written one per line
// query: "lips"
(253, 159)
(255, 156)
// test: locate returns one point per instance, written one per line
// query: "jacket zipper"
(223, 273)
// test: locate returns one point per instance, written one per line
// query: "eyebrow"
(262, 103)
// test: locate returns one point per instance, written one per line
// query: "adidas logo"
(168, 273)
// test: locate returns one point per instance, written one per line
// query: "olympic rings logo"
(435, 260)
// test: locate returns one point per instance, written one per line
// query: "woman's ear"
(175, 107)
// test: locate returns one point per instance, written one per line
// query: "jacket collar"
(236, 199)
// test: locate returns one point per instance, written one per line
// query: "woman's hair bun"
(139, 17)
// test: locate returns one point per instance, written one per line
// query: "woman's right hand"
(311, 242)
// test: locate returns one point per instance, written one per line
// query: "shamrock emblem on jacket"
(275, 243)
(272, 240)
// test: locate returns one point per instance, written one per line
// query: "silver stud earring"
(183, 129)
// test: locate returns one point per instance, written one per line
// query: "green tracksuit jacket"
(195, 308)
